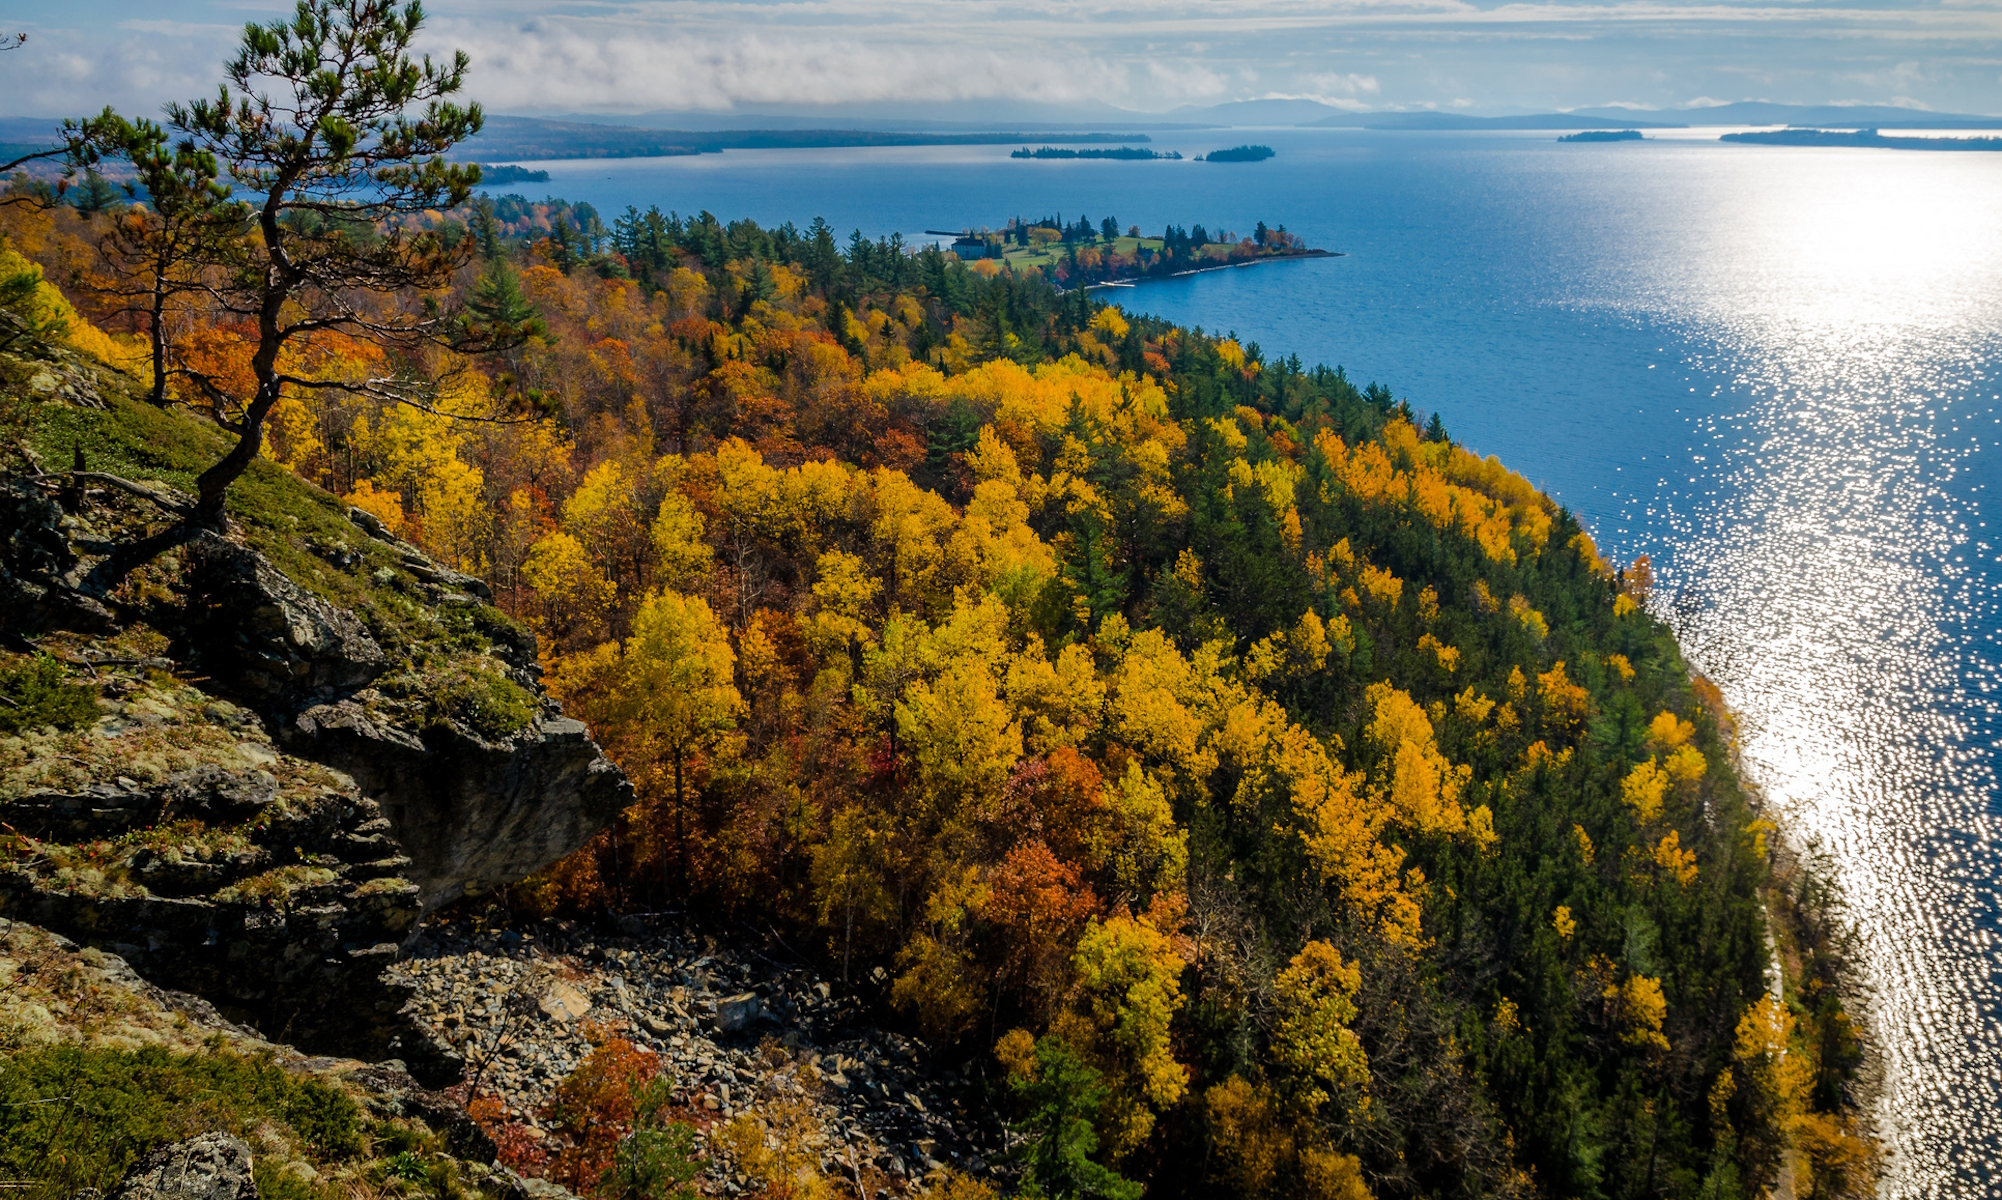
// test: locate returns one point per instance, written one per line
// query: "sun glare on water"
(1836, 576)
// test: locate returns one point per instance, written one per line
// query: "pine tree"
(314, 119)
(1061, 1092)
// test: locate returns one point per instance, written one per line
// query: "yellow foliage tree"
(1639, 1008)
(1249, 1143)
(939, 982)
(1420, 786)
(1127, 993)
(680, 553)
(1340, 828)
(960, 734)
(386, 507)
(1333, 1176)
(1319, 1055)
(663, 695)
(851, 878)
(575, 596)
(1643, 789)
(1678, 864)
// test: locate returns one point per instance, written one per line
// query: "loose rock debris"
(737, 1036)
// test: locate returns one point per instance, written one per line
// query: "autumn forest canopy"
(1269, 795)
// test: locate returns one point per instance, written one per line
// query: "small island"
(1865, 138)
(498, 174)
(1604, 135)
(1121, 153)
(1237, 154)
(1079, 253)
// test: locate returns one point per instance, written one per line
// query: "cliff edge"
(247, 763)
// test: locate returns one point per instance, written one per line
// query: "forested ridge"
(1268, 794)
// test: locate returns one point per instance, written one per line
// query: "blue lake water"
(1777, 371)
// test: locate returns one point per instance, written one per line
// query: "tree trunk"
(680, 837)
(213, 485)
(212, 488)
(157, 334)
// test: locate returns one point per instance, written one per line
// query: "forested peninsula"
(1045, 751)
(1074, 254)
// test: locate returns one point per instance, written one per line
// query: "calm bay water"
(1777, 371)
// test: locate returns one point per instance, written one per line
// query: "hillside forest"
(1266, 794)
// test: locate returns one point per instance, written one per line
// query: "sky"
(977, 58)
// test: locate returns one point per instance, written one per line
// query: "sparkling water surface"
(1775, 370)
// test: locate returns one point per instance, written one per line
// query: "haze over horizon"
(986, 60)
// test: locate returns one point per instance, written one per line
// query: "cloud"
(1330, 88)
(548, 66)
(1186, 81)
(66, 72)
(641, 55)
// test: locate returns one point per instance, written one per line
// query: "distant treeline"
(526, 138)
(1121, 152)
(1867, 138)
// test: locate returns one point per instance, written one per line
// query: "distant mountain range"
(948, 117)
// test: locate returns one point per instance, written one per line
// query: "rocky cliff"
(247, 763)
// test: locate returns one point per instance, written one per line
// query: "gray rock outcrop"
(275, 644)
(287, 919)
(469, 813)
(213, 1166)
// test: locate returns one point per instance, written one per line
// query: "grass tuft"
(73, 1118)
(486, 702)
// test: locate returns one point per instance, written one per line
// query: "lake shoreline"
(1136, 280)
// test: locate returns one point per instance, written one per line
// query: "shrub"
(325, 1119)
(656, 1160)
(33, 694)
(596, 1108)
(1060, 1094)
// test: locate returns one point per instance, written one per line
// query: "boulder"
(528, 1187)
(561, 1002)
(737, 1013)
(213, 1166)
